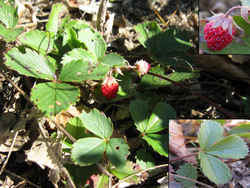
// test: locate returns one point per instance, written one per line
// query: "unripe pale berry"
(142, 67)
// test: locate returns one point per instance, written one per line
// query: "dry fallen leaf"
(177, 142)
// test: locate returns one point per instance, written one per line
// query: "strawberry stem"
(231, 9)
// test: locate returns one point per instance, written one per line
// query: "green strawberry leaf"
(88, 151)
(229, 147)
(139, 112)
(127, 87)
(160, 117)
(174, 38)
(117, 152)
(30, 63)
(242, 23)
(144, 159)
(10, 34)
(53, 22)
(241, 130)
(124, 171)
(93, 41)
(38, 40)
(70, 38)
(214, 169)
(210, 132)
(244, 128)
(97, 123)
(158, 142)
(150, 82)
(51, 98)
(78, 54)
(155, 40)
(187, 170)
(81, 70)
(8, 15)
(146, 31)
(113, 59)
(76, 128)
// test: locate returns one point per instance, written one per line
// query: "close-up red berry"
(217, 38)
(109, 87)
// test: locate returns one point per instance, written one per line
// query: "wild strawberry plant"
(70, 52)
(215, 149)
(227, 33)
(68, 55)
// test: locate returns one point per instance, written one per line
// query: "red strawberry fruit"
(217, 38)
(109, 87)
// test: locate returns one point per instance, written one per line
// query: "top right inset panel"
(224, 27)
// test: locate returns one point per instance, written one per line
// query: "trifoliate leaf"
(229, 147)
(214, 169)
(81, 70)
(97, 123)
(88, 151)
(40, 41)
(158, 142)
(93, 41)
(51, 98)
(210, 132)
(117, 152)
(30, 63)
(78, 54)
(139, 112)
(113, 59)
(159, 118)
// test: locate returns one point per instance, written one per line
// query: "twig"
(20, 177)
(182, 157)
(101, 16)
(17, 88)
(9, 153)
(101, 168)
(66, 133)
(190, 179)
(104, 171)
(160, 17)
(61, 167)
(141, 171)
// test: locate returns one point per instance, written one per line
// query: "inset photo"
(209, 153)
(224, 27)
